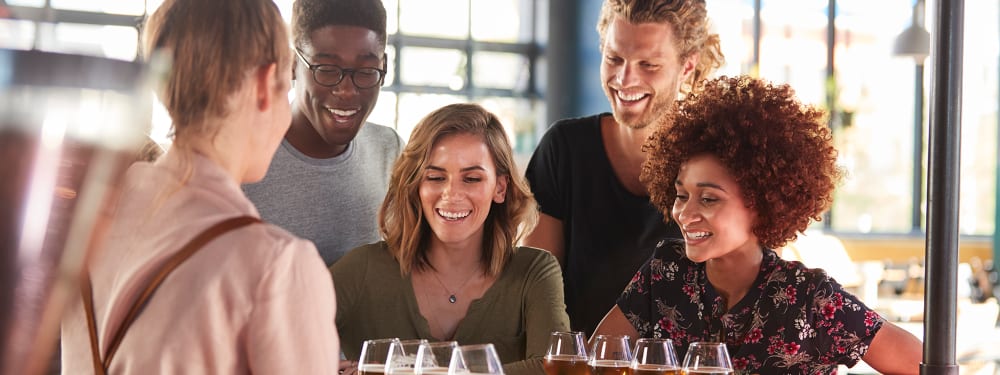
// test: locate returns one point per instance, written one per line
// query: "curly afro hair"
(779, 151)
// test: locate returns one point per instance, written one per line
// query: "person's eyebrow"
(466, 169)
(678, 182)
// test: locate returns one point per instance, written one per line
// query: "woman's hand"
(348, 367)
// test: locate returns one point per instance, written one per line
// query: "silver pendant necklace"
(452, 296)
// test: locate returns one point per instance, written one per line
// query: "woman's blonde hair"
(211, 45)
(401, 218)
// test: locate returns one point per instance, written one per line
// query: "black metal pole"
(918, 148)
(943, 190)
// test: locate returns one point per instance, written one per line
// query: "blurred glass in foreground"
(69, 126)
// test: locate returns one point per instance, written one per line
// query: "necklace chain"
(452, 298)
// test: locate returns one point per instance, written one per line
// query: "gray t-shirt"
(333, 202)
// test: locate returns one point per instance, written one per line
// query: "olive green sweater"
(517, 314)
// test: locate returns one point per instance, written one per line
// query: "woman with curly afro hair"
(742, 168)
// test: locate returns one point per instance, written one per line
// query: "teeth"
(630, 97)
(454, 215)
(341, 112)
(699, 235)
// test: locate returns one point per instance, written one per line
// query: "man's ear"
(690, 63)
(265, 81)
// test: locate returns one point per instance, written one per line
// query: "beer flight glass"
(433, 358)
(654, 356)
(567, 354)
(402, 357)
(707, 358)
(476, 359)
(69, 126)
(375, 355)
(610, 355)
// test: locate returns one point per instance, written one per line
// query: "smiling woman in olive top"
(449, 269)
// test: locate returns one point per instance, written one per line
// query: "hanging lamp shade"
(914, 42)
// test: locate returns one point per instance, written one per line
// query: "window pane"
(385, 110)
(285, 7)
(27, 3)
(874, 127)
(793, 45)
(501, 20)
(117, 42)
(979, 119)
(390, 59)
(152, 5)
(392, 16)
(433, 66)
(733, 21)
(413, 107)
(133, 7)
(16, 34)
(435, 18)
(500, 70)
(518, 117)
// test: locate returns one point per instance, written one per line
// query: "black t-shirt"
(608, 232)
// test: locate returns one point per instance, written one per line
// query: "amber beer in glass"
(371, 369)
(566, 365)
(69, 126)
(654, 356)
(709, 371)
(610, 355)
(610, 367)
(567, 354)
(655, 370)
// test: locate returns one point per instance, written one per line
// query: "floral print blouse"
(794, 320)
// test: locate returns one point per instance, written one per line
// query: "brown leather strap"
(101, 367)
(88, 306)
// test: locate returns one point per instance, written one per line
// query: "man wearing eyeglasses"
(330, 174)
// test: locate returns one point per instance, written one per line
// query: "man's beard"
(649, 117)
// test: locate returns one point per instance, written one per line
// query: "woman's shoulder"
(801, 277)
(364, 256)
(532, 255)
(532, 261)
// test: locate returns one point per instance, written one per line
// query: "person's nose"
(626, 75)
(685, 213)
(450, 190)
(345, 86)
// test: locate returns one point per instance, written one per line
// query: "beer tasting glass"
(475, 359)
(375, 355)
(710, 358)
(402, 357)
(611, 355)
(433, 357)
(654, 357)
(567, 354)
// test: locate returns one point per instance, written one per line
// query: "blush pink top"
(254, 300)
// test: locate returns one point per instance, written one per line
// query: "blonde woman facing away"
(254, 299)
